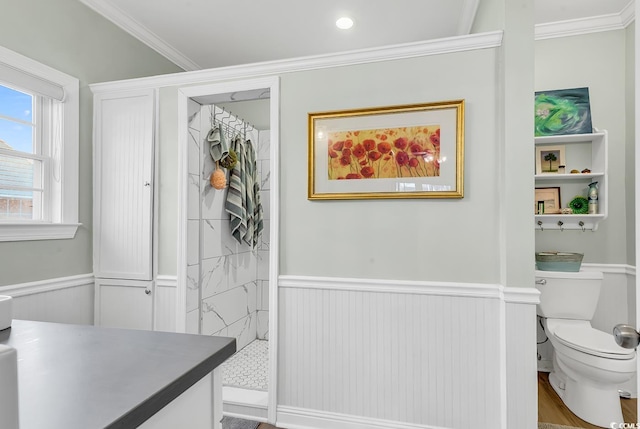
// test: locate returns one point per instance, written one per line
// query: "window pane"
(16, 208)
(16, 104)
(20, 188)
(16, 120)
(16, 136)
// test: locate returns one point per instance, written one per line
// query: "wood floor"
(551, 409)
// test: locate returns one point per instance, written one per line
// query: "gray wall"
(598, 61)
(68, 36)
(450, 240)
(427, 239)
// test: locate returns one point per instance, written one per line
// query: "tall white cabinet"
(123, 208)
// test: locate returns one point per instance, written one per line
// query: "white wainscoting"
(357, 354)
(164, 315)
(62, 300)
(521, 370)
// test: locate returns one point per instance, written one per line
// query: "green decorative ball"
(579, 205)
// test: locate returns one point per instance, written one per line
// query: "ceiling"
(202, 34)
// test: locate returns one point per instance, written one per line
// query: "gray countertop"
(79, 376)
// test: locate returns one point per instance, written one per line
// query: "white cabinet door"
(124, 304)
(123, 184)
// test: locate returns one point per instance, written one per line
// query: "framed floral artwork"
(408, 151)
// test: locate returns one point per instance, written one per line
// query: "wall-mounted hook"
(560, 223)
(540, 225)
(581, 225)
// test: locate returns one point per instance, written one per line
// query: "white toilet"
(588, 365)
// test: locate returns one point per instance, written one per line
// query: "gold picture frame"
(405, 151)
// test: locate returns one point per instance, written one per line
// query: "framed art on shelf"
(549, 159)
(547, 200)
(562, 111)
(407, 151)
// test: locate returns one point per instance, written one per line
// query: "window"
(38, 150)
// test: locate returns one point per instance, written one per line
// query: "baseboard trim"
(31, 288)
(302, 418)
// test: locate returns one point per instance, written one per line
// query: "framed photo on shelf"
(405, 151)
(549, 159)
(547, 200)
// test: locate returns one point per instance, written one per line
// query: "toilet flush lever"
(541, 282)
(626, 336)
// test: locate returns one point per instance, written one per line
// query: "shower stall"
(228, 281)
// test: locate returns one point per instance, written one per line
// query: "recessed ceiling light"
(344, 23)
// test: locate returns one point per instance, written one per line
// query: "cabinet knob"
(147, 184)
(147, 291)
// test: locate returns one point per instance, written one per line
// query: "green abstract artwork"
(562, 111)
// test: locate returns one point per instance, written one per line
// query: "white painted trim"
(576, 27)
(31, 288)
(629, 270)
(64, 191)
(37, 231)
(183, 194)
(38, 71)
(167, 281)
(386, 53)
(521, 295)
(140, 32)
(184, 93)
(274, 244)
(301, 418)
(477, 290)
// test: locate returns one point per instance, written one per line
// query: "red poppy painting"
(384, 153)
(411, 151)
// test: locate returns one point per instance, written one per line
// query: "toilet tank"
(568, 295)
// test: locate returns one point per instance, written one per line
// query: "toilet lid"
(592, 341)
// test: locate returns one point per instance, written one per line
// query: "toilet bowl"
(588, 368)
(588, 365)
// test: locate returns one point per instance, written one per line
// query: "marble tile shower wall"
(228, 281)
(264, 172)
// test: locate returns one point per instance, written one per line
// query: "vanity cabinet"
(581, 151)
(123, 139)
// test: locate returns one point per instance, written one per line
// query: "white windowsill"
(37, 231)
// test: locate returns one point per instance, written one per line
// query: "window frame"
(62, 218)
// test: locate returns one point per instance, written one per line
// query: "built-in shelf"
(581, 151)
(579, 176)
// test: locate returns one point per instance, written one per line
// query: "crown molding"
(141, 33)
(362, 56)
(596, 24)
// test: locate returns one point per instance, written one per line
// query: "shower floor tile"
(249, 367)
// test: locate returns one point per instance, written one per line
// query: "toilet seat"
(588, 340)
